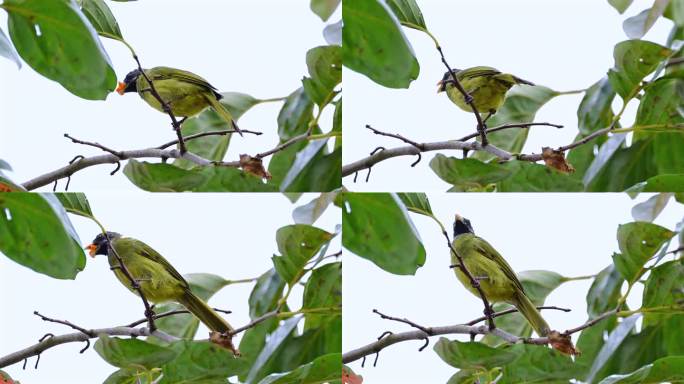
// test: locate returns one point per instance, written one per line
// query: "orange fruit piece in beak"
(121, 88)
(92, 248)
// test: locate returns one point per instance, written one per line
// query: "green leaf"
(322, 370)
(651, 208)
(675, 12)
(263, 298)
(337, 123)
(636, 26)
(521, 106)
(298, 244)
(214, 147)
(664, 288)
(374, 45)
(538, 364)
(416, 202)
(468, 174)
(408, 13)
(159, 177)
(473, 355)
(310, 212)
(33, 234)
(200, 362)
(590, 342)
(101, 18)
(273, 345)
(131, 353)
(313, 170)
(667, 369)
(623, 168)
(54, 38)
(595, 110)
(612, 343)
(323, 290)
(325, 68)
(76, 203)
(7, 50)
(531, 177)
(660, 183)
(131, 376)
(185, 325)
(634, 59)
(294, 116)
(638, 242)
(377, 227)
(620, 5)
(324, 8)
(604, 291)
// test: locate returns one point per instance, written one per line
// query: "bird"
(186, 93)
(496, 278)
(158, 279)
(486, 85)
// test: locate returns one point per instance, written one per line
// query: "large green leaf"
(274, 343)
(664, 287)
(294, 116)
(668, 369)
(595, 110)
(531, 177)
(309, 213)
(34, 235)
(473, 355)
(131, 353)
(323, 290)
(604, 291)
(638, 242)
(468, 174)
(624, 168)
(76, 203)
(136, 375)
(6, 49)
(538, 364)
(324, 8)
(200, 363)
(521, 106)
(297, 244)
(660, 183)
(214, 147)
(160, 177)
(634, 59)
(325, 68)
(377, 227)
(55, 39)
(651, 208)
(313, 170)
(374, 45)
(325, 369)
(416, 202)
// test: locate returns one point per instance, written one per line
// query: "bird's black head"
(100, 244)
(462, 226)
(446, 79)
(128, 85)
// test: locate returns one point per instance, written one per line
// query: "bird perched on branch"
(486, 85)
(496, 278)
(157, 278)
(185, 93)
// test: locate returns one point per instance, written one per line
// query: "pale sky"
(563, 44)
(231, 235)
(571, 234)
(256, 47)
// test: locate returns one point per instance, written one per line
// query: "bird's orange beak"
(92, 248)
(121, 88)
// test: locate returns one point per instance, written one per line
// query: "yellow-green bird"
(158, 280)
(184, 92)
(486, 85)
(497, 279)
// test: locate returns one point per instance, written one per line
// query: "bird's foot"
(468, 99)
(150, 312)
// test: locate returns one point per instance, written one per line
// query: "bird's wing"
(147, 252)
(166, 73)
(489, 252)
(473, 72)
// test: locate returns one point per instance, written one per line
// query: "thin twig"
(203, 134)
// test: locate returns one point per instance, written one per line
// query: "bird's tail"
(224, 113)
(528, 309)
(204, 313)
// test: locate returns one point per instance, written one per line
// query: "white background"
(256, 47)
(562, 44)
(231, 235)
(571, 234)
